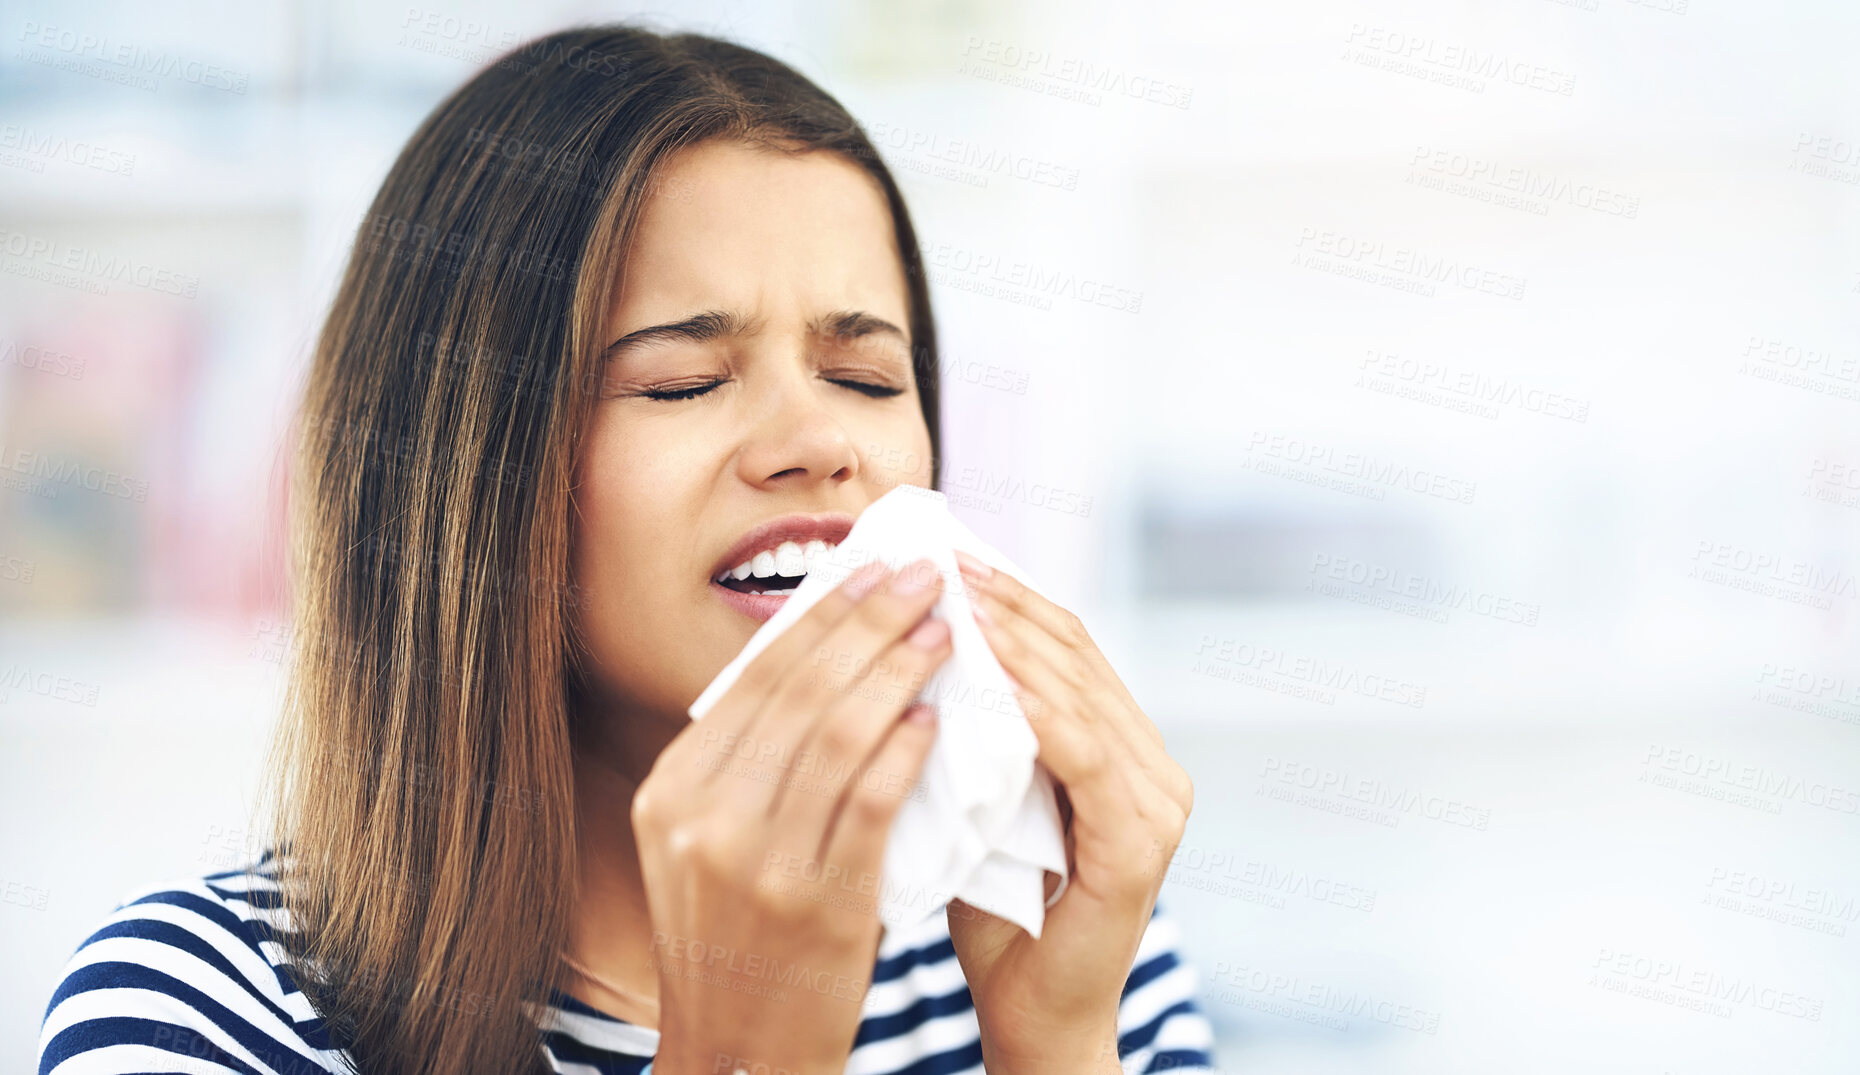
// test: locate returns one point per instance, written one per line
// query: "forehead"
(753, 229)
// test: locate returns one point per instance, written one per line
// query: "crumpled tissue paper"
(983, 824)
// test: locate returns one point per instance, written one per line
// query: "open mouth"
(777, 571)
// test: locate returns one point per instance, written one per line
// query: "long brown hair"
(420, 786)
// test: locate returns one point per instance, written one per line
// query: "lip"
(758, 607)
(800, 528)
(828, 526)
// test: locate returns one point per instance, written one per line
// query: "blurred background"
(1445, 415)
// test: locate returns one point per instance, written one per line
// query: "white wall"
(1201, 477)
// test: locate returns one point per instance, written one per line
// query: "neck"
(611, 932)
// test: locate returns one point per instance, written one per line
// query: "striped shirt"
(187, 977)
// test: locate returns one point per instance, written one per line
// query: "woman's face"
(783, 284)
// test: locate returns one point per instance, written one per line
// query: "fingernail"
(972, 565)
(920, 714)
(914, 579)
(929, 634)
(862, 580)
(981, 614)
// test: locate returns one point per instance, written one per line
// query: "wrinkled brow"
(718, 324)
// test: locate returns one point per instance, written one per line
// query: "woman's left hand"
(1051, 1004)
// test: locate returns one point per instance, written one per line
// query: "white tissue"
(984, 824)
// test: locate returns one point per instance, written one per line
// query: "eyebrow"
(717, 324)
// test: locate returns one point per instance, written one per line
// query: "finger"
(1084, 752)
(837, 747)
(766, 670)
(818, 678)
(1069, 631)
(1066, 682)
(863, 824)
(721, 747)
(845, 649)
(1108, 812)
(1050, 705)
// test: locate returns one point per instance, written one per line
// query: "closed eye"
(691, 392)
(876, 391)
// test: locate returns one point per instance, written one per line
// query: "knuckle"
(869, 809)
(646, 811)
(881, 616)
(810, 691)
(702, 850)
(905, 668)
(837, 740)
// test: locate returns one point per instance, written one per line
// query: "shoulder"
(185, 976)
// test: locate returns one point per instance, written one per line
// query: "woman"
(629, 313)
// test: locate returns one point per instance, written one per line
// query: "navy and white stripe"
(189, 977)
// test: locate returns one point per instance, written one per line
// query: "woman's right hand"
(761, 831)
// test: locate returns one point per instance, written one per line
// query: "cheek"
(898, 450)
(632, 506)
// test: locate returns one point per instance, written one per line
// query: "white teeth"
(789, 558)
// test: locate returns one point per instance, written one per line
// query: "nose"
(798, 437)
